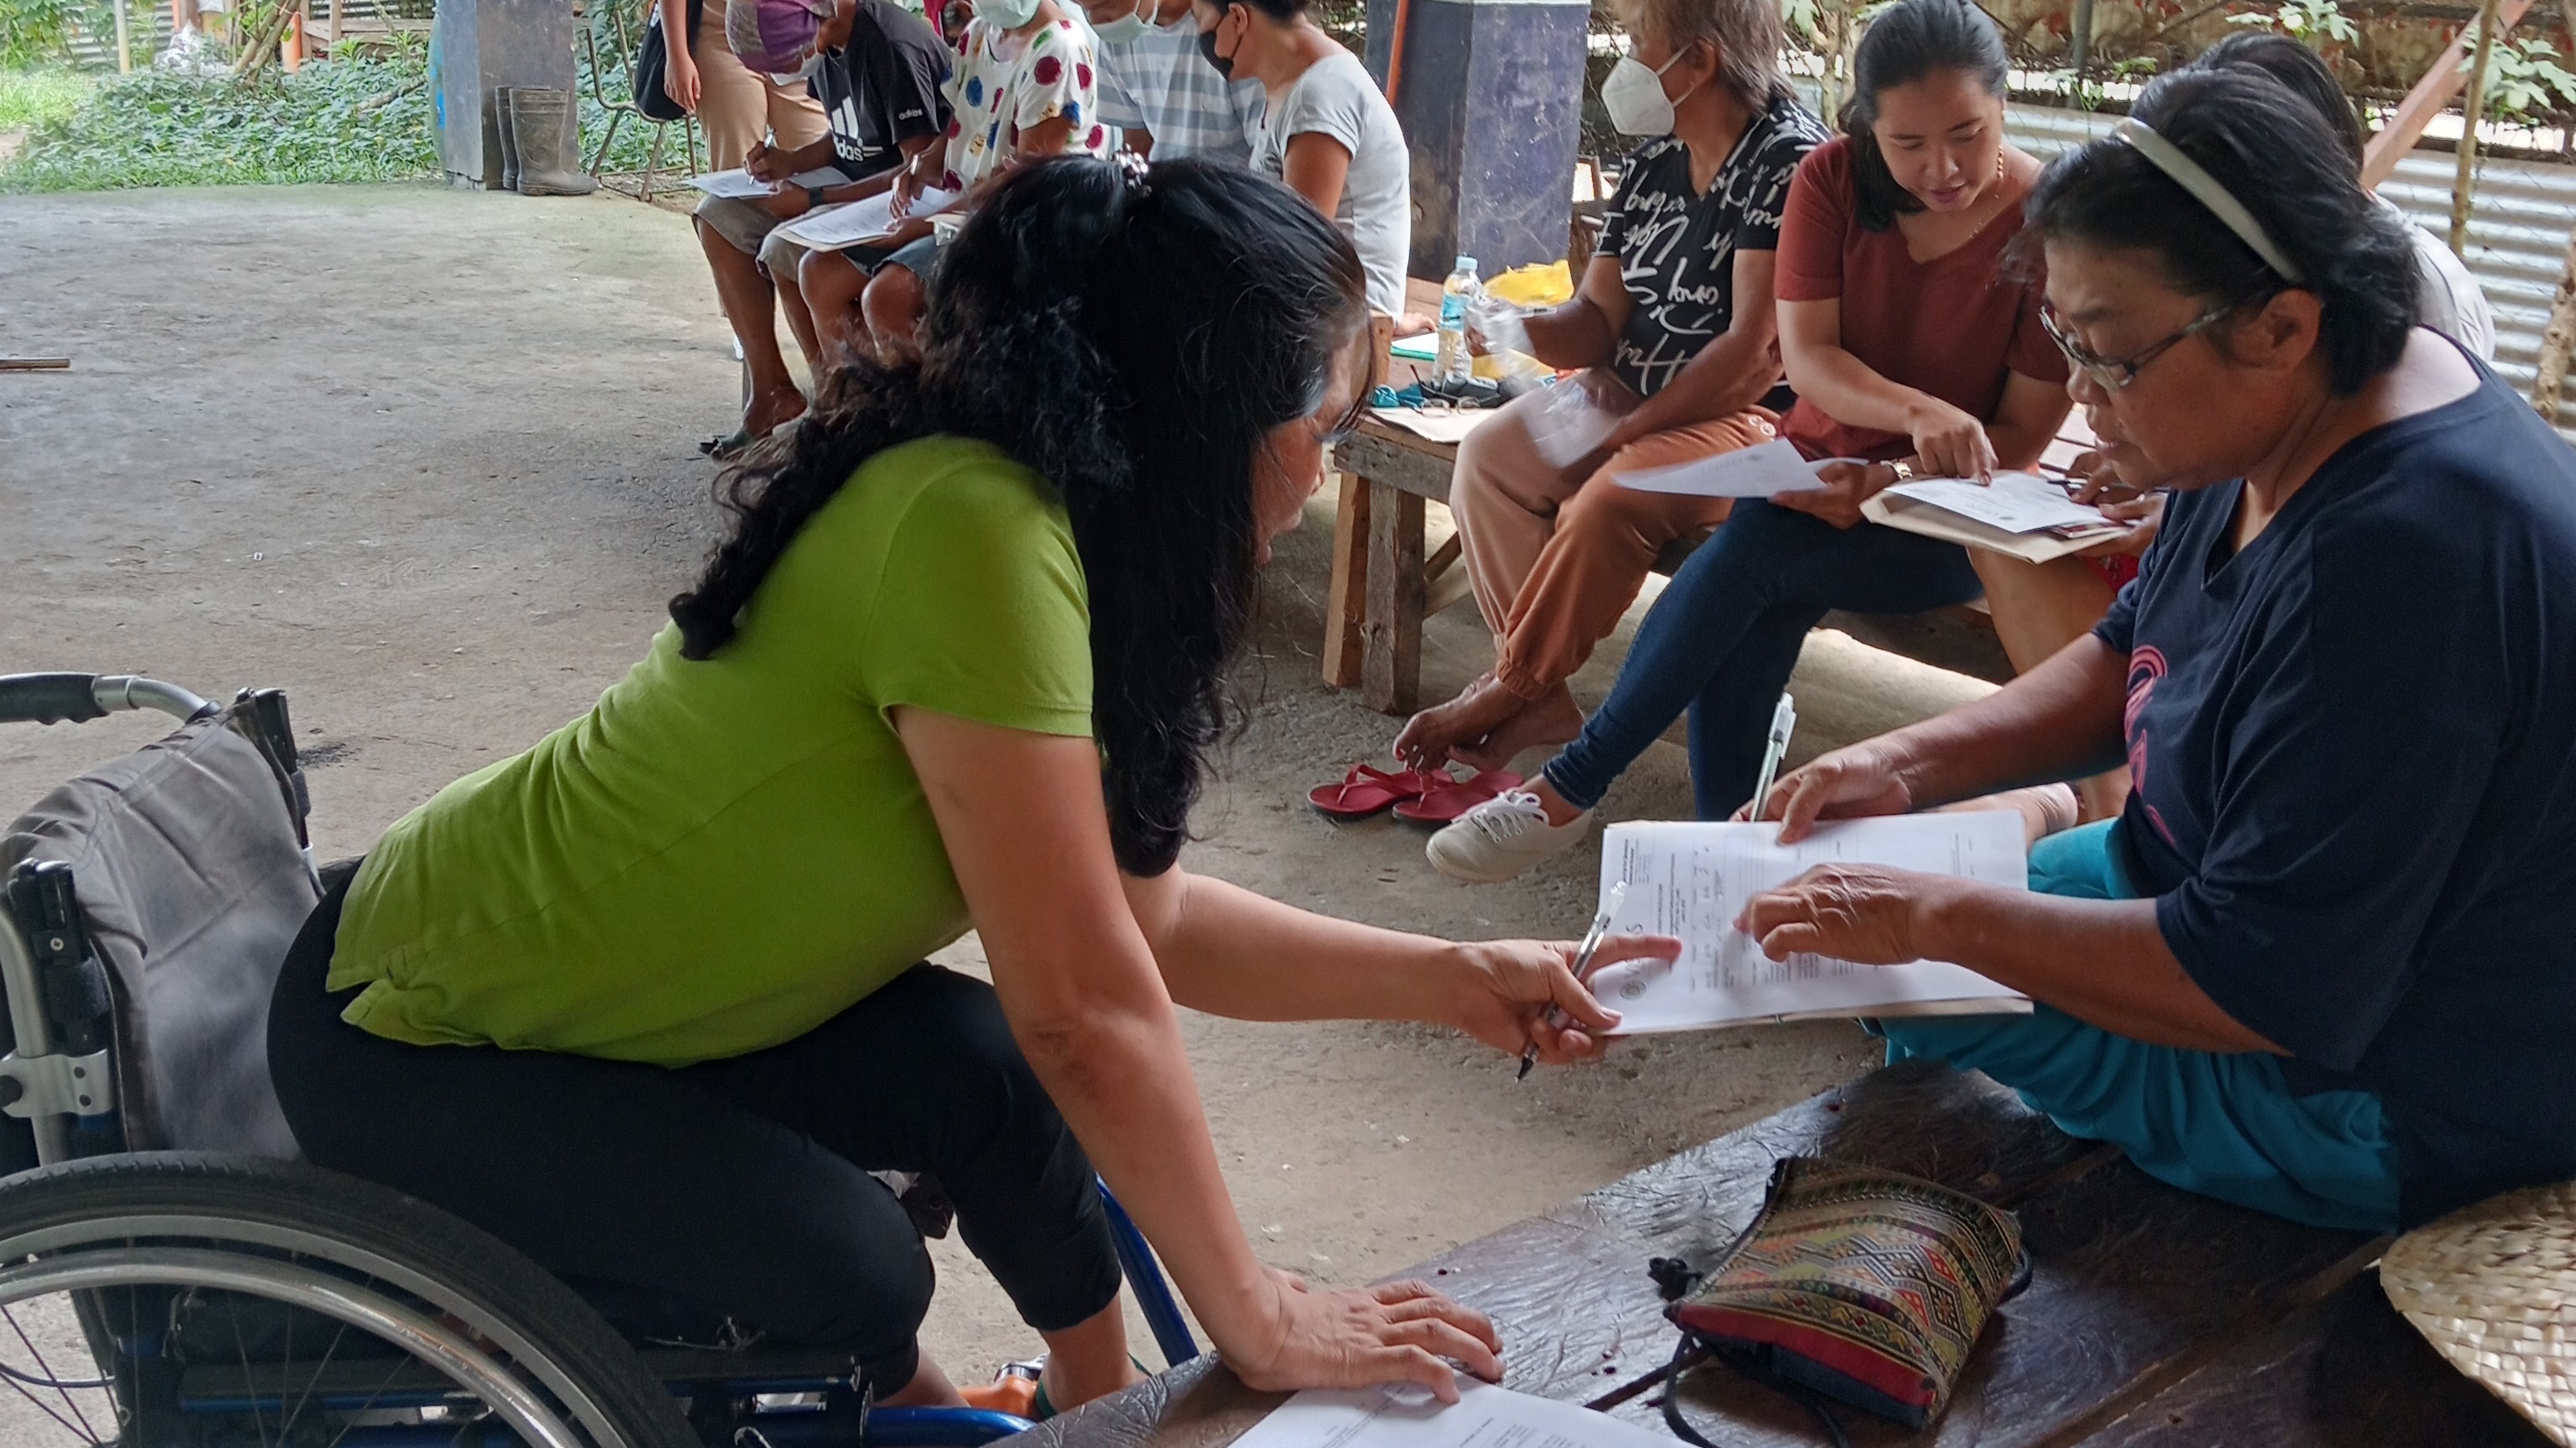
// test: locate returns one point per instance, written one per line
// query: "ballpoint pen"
(1582, 965)
(1783, 719)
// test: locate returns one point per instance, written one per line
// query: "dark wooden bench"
(2153, 1317)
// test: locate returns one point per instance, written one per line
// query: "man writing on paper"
(2324, 963)
(877, 68)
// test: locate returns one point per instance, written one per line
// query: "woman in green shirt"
(646, 1001)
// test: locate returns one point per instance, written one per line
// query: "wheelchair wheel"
(176, 1300)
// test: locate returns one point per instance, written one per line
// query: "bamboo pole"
(2473, 108)
(124, 42)
(2557, 340)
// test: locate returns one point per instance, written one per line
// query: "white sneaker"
(1500, 838)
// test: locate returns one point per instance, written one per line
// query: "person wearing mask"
(1674, 323)
(1161, 94)
(1026, 86)
(2319, 966)
(2040, 608)
(1327, 131)
(646, 1001)
(877, 69)
(1909, 337)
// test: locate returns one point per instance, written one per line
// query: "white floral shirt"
(996, 94)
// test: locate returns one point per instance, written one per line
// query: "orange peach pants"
(1554, 560)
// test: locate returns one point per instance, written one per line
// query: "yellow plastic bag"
(1537, 285)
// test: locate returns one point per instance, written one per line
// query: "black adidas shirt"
(882, 88)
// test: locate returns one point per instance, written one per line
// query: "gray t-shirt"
(1158, 83)
(1337, 98)
(2447, 298)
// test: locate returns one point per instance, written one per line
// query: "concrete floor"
(427, 460)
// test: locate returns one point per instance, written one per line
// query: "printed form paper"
(852, 222)
(1751, 472)
(1692, 880)
(1484, 1416)
(738, 184)
(2014, 502)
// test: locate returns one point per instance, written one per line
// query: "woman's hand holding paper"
(1522, 993)
(1847, 486)
(1844, 784)
(2091, 480)
(1866, 914)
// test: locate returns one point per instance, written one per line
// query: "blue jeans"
(2222, 1124)
(1722, 640)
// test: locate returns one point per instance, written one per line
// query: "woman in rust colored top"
(1908, 338)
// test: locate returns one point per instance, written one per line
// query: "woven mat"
(2493, 1288)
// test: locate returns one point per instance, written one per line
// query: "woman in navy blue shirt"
(2324, 965)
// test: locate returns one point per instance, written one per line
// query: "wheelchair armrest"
(49, 698)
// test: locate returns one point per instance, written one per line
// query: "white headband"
(2187, 173)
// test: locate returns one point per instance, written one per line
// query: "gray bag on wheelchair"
(188, 866)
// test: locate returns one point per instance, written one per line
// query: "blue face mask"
(1006, 14)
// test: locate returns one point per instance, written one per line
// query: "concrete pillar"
(475, 48)
(1491, 97)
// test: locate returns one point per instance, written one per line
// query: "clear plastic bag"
(1570, 425)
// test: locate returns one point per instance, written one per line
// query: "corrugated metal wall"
(2518, 224)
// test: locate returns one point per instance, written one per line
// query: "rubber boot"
(509, 143)
(549, 138)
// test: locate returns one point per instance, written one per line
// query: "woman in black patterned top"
(1673, 319)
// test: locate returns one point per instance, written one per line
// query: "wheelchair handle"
(79, 698)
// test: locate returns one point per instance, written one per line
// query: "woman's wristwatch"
(813, 198)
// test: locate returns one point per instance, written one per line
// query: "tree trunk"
(2557, 340)
(263, 42)
(2473, 108)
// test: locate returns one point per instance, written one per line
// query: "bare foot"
(768, 410)
(1545, 724)
(2044, 809)
(1431, 737)
(2102, 797)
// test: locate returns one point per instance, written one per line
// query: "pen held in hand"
(1583, 954)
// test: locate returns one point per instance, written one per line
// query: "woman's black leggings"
(734, 1191)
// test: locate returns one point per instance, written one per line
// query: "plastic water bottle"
(1454, 362)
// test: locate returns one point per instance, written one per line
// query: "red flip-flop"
(1444, 803)
(1366, 791)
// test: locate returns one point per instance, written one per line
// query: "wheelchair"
(172, 1276)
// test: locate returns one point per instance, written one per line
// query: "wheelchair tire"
(279, 1218)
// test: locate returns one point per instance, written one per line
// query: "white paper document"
(1751, 472)
(2014, 502)
(1484, 1416)
(1692, 880)
(846, 225)
(738, 184)
(1444, 425)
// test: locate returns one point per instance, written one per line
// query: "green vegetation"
(2314, 23)
(31, 98)
(2525, 83)
(347, 120)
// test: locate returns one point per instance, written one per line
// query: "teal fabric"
(2223, 1125)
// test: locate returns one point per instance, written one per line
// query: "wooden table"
(2153, 1317)
(1384, 587)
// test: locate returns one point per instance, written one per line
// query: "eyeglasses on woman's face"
(2113, 373)
(1347, 425)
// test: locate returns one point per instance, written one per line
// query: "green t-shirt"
(723, 855)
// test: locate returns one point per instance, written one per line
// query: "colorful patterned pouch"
(1868, 1287)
